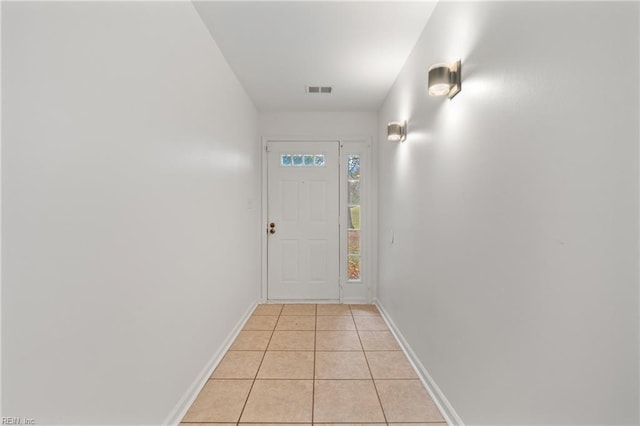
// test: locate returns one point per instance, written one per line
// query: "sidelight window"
(354, 238)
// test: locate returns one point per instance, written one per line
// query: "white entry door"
(303, 220)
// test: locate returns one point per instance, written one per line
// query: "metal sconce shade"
(397, 131)
(445, 79)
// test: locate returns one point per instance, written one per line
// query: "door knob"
(272, 228)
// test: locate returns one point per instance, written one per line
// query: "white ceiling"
(277, 48)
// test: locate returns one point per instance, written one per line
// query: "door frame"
(364, 292)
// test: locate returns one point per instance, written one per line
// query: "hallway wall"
(509, 216)
(306, 124)
(131, 199)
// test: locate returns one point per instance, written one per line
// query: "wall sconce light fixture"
(397, 131)
(445, 79)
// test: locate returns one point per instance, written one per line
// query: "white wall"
(130, 158)
(514, 271)
(318, 124)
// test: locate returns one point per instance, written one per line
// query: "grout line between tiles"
(313, 385)
(384, 415)
(258, 370)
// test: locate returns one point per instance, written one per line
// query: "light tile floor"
(313, 364)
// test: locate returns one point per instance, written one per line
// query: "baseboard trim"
(434, 391)
(185, 402)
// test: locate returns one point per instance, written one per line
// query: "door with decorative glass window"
(303, 198)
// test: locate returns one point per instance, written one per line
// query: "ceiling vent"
(318, 89)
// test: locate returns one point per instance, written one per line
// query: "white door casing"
(303, 236)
